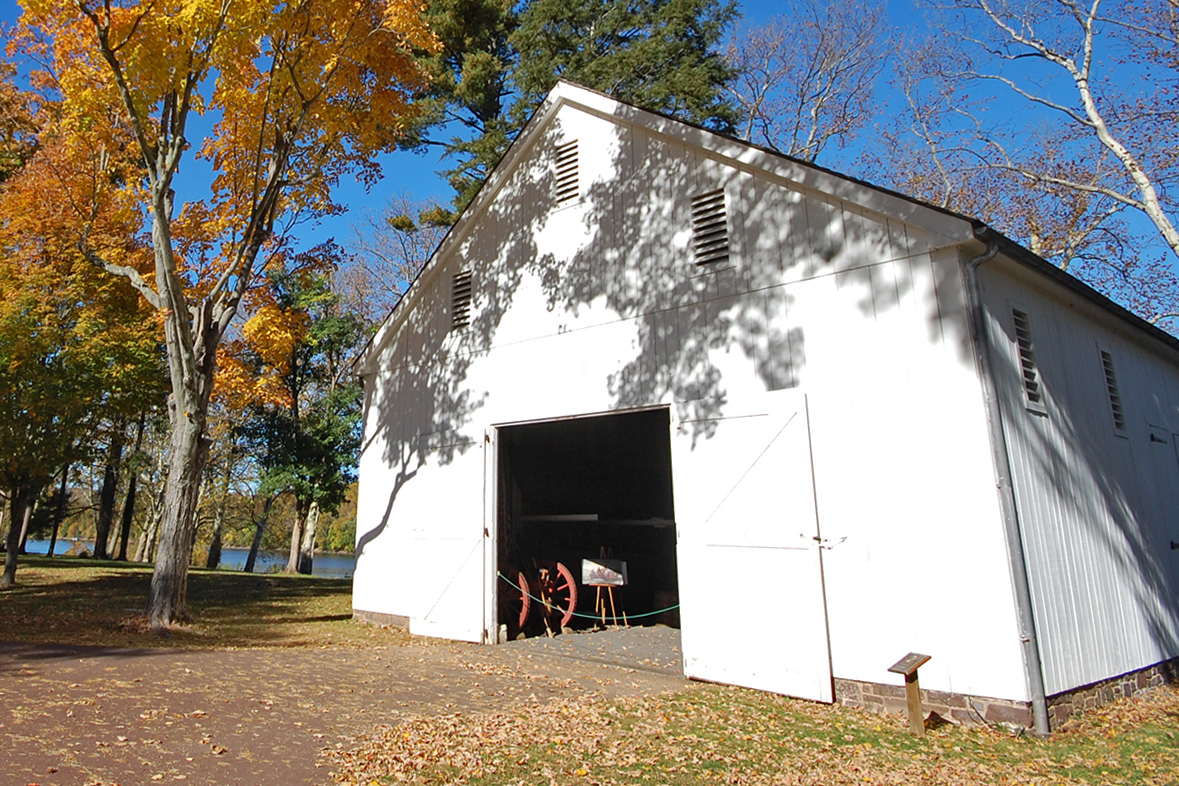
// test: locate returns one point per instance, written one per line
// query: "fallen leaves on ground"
(717, 734)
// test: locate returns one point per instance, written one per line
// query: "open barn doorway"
(586, 488)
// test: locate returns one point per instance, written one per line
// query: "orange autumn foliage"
(300, 93)
(250, 370)
(294, 95)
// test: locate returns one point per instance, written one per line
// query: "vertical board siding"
(1097, 507)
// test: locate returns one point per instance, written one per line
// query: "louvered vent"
(460, 300)
(1027, 358)
(567, 184)
(1111, 387)
(710, 228)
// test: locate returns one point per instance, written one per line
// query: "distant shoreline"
(329, 564)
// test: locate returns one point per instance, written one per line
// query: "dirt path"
(73, 716)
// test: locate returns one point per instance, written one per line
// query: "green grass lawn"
(67, 600)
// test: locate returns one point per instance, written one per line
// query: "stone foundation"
(377, 618)
(967, 710)
(1063, 705)
(974, 710)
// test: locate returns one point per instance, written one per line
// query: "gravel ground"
(654, 649)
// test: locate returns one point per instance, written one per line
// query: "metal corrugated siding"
(1097, 509)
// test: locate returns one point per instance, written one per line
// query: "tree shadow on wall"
(422, 404)
(1095, 535)
(635, 264)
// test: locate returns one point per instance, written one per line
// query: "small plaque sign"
(909, 664)
(603, 572)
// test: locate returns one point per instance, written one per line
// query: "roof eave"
(1013, 250)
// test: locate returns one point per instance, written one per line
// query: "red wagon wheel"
(525, 600)
(515, 600)
(564, 594)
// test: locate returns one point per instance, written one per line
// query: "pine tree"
(658, 54)
(498, 62)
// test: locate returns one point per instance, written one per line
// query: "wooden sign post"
(908, 666)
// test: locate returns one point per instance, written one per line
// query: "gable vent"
(567, 183)
(1111, 387)
(710, 228)
(460, 300)
(1027, 358)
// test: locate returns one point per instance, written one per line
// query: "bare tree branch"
(807, 78)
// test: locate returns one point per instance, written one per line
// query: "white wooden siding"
(1098, 509)
(599, 306)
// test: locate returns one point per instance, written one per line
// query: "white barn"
(837, 424)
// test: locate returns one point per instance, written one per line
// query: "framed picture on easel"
(603, 572)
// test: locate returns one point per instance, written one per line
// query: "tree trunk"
(59, 510)
(214, 557)
(146, 550)
(18, 502)
(297, 535)
(307, 548)
(144, 537)
(191, 337)
(24, 526)
(129, 500)
(110, 487)
(253, 557)
(128, 518)
(189, 450)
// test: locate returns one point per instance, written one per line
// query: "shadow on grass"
(64, 602)
(13, 655)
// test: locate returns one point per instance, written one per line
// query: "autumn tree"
(1060, 116)
(77, 348)
(806, 79)
(18, 123)
(44, 386)
(298, 94)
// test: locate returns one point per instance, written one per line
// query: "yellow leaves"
(197, 14)
(273, 334)
(317, 86)
(239, 385)
(407, 19)
(251, 370)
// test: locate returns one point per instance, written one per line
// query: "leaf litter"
(718, 734)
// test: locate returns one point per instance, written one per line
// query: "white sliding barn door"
(446, 562)
(751, 587)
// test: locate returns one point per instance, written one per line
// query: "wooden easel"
(600, 601)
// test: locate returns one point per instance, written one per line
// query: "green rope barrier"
(587, 616)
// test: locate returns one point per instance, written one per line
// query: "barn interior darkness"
(584, 488)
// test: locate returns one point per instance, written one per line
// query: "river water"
(337, 566)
